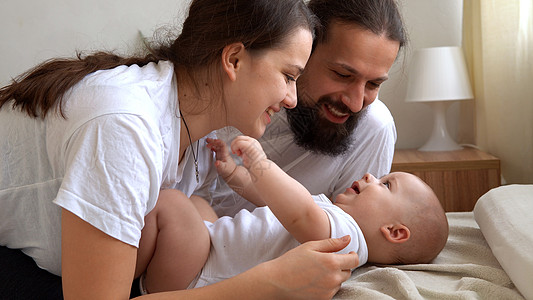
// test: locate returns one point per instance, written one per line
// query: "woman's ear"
(232, 56)
(395, 233)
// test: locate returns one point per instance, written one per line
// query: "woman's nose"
(290, 100)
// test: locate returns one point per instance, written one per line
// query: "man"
(339, 130)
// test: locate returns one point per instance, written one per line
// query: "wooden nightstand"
(458, 177)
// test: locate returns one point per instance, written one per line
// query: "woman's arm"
(290, 201)
(97, 266)
(309, 272)
(94, 265)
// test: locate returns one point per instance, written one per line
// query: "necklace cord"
(195, 157)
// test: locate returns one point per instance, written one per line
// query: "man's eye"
(340, 74)
(374, 85)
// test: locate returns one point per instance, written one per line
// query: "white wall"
(32, 31)
(430, 23)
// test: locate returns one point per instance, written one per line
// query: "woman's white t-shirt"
(105, 162)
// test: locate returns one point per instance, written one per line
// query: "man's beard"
(315, 133)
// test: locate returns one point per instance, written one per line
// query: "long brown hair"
(208, 28)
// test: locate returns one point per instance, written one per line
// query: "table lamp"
(438, 76)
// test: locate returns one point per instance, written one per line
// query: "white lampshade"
(438, 75)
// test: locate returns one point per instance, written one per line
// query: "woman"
(88, 143)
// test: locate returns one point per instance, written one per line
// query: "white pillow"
(505, 217)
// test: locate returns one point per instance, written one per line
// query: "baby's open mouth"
(355, 187)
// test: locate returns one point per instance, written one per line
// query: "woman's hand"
(312, 271)
(96, 266)
(308, 272)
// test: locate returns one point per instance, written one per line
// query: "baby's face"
(375, 199)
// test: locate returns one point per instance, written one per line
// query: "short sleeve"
(343, 224)
(113, 172)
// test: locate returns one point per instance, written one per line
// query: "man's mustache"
(306, 100)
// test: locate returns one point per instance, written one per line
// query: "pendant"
(197, 173)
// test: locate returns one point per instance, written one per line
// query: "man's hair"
(377, 16)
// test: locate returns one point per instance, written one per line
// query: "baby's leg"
(206, 211)
(174, 244)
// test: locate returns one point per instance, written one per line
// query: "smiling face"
(265, 82)
(400, 216)
(374, 202)
(347, 69)
(342, 77)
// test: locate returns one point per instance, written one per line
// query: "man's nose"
(354, 97)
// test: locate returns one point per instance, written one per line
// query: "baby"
(394, 220)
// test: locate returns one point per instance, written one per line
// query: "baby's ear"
(395, 233)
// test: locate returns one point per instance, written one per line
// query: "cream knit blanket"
(465, 269)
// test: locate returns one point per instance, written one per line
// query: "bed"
(489, 255)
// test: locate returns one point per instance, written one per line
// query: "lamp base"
(440, 140)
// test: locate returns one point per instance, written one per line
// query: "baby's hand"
(249, 149)
(224, 162)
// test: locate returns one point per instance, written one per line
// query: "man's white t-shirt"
(250, 238)
(371, 152)
(105, 162)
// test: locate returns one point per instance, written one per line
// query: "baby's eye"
(387, 184)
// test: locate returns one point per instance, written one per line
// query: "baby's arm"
(237, 177)
(290, 201)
